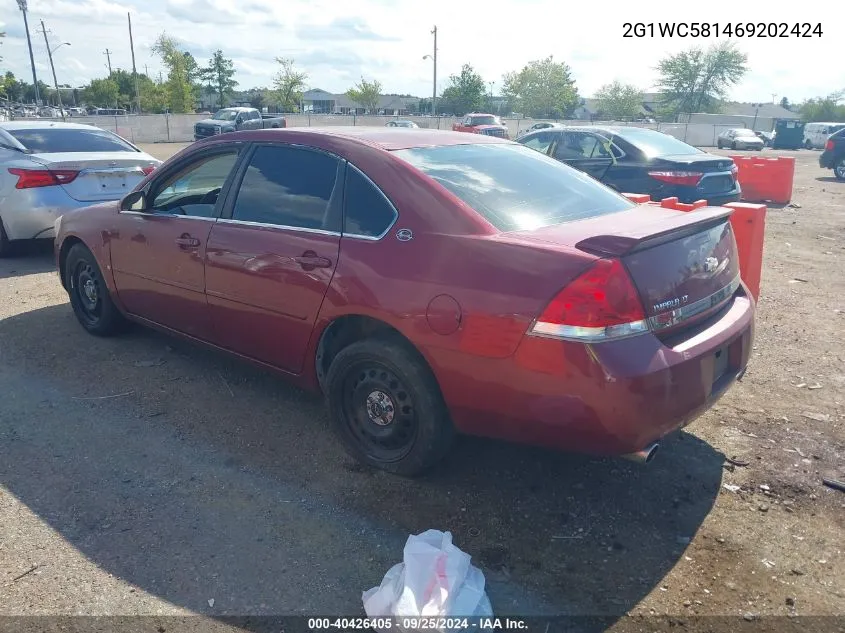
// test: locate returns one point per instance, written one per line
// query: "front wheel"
(733, 145)
(839, 168)
(719, 144)
(808, 145)
(386, 406)
(5, 244)
(89, 295)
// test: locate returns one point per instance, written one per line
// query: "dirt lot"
(144, 475)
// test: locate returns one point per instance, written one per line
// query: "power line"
(44, 32)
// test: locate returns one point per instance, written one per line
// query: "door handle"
(187, 240)
(310, 259)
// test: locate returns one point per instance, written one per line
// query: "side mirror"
(135, 201)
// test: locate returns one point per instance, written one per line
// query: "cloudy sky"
(336, 42)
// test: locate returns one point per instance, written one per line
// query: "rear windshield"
(515, 187)
(57, 140)
(654, 143)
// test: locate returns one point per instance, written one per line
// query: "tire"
(808, 144)
(733, 145)
(89, 295)
(386, 407)
(6, 246)
(719, 144)
(839, 168)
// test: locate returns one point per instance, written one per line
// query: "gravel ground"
(145, 475)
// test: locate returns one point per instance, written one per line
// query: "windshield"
(654, 143)
(484, 120)
(57, 140)
(515, 187)
(225, 115)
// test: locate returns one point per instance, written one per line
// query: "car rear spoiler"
(654, 232)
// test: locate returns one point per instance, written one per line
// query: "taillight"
(829, 145)
(31, 178)
(689, 178)
(148, 169)
(601, 304)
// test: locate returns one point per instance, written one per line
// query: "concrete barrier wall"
(161, 128)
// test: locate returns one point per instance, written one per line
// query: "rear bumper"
(31, 213)
(604, 399)
(826, 160)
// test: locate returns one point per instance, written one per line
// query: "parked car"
(542, 125)
(49, 168)
(766, 137)
(639, 160)
(401, 123)
(816, 134)
(833, 156)
(739, 138)
(234, 119)
(428, 285)
(477, 123)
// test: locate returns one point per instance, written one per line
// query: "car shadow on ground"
(28, 259)
(828, 179)
(194, 476)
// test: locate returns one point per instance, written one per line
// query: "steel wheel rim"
(89, 293)
(379, 411)
(839, 168)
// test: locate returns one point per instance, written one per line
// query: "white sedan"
(739, 138)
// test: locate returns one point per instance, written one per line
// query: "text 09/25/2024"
(716, 29)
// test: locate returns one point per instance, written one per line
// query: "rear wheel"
(839, 168)
(5, 244)
(89, 295)
(386, 406)
(719, 144)
(733, 145)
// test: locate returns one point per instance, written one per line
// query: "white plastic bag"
(434, 579)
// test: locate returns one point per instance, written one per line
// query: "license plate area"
(112, 182)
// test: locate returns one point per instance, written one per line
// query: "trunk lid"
(683, 264)
(705, 163)
(102, 175)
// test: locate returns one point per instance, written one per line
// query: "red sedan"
(428, 283)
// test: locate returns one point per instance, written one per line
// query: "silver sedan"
(49, 168)
(739, 138)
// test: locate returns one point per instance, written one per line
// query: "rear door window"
(367, 212)
(539, 141)
(58, 140)
(290, 187)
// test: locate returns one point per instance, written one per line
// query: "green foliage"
(696, 80)
(288, 84)
(824, 108)
(366, 94)
(219, 76)
(10, 87)
(102, 93)
(619, 101)
(784, 103)
(542, 89)
(181, 71)
(465, 93)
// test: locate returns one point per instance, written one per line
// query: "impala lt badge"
(671, 303)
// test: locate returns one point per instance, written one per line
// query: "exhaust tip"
(645, 456)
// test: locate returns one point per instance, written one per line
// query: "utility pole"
(434, 86)
(23, 7)
(107, 53)
(53, 68)
(134, 71)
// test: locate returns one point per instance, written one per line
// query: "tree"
(696, 80)
(824, 108)
(619, 101)
(153, 95)
(288, 84)
(101, 93)
(543, 88)
(784, 103)
(218, 76)
(465, 93)
(366, 94)
(2, 35)
(179, 89)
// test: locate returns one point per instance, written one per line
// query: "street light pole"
(22, 5)
(434, 84)
(52, 66)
